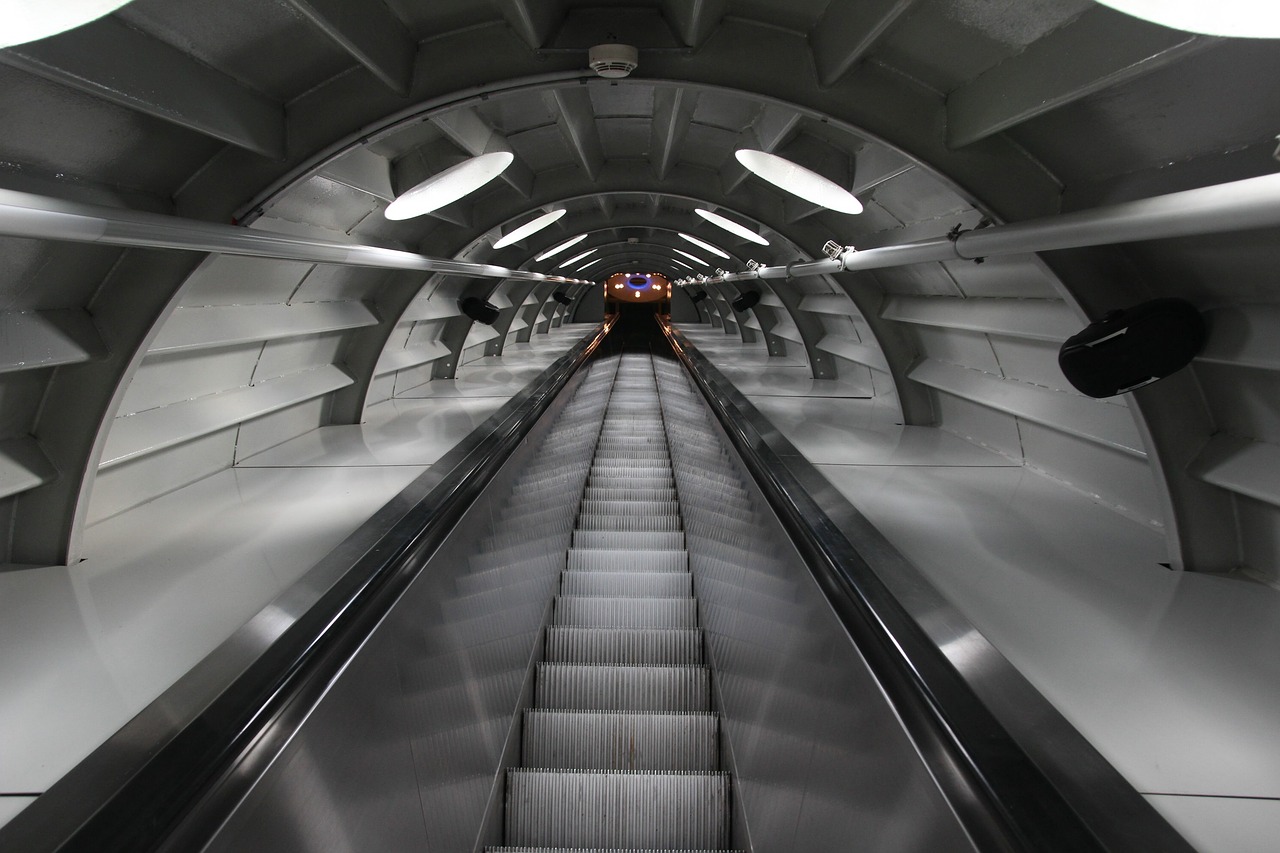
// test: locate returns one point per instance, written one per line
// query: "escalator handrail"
(171, 775)
(1048, 790)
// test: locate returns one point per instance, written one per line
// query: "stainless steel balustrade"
(614, 649)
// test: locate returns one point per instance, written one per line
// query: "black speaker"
(562, 297)
(746, 301)
(1134, 347)
(697, 296)
(479, 310)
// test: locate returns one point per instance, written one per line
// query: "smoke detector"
(613, 61)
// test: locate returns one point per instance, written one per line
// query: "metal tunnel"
(300, 544)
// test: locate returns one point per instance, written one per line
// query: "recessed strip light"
(702, 244)
(693, 258)
(577, 258)
(450, 185)
(529, 228)
(26, 21)
(1239, 18)
(552, 252)
(798, 180)
(732, 227)
(589, 264)
(680, 263)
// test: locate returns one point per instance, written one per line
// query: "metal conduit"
(34, 216)
(1235, 206)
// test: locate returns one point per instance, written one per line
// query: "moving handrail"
(170, 776)
(1016, 773)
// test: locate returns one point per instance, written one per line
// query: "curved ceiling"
(308, 116)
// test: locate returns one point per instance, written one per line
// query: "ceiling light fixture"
(703, 244)
(732, 227)
(551, 253)
(693, 258)
(450, 185)
(1237, 18)
(25, 21)
(577, 258)
(589, 264)
(798, 180)
(680, 263)
(529, 228)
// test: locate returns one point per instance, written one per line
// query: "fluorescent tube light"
(694, 258)
(450, 185)
(552, 252)
(798, 180)
(1238, 18)
(703, 244)
(577, 258)
(529, 228)
(732, 227)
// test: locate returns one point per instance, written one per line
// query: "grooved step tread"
(627, 584)
(636, 646)
(598, 808)
(621, 560)
(614, 612)
(609, 740)
(591, 687)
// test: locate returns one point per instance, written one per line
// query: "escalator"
(617, 620)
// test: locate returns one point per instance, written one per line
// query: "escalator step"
(605, 740)
(638, 522)
(627, 540)
(626, 493)
(586, 687)
(599, 612)
(610, 809)
(593, 850)
(638, 506)
(671, 646)
(613, 560)
(627, 584)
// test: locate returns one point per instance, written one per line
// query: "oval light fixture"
(529, 228)
(694, 258)
(732, 227)
(577, 258)
(589, 264)
(702, 244)
(798, 180)
(1236, 18)
(680, 263)
(555, 250)
(25, 21)
(450, 185)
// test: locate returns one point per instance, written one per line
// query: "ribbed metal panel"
(630, 506)
(588, 687)
(624, 540)
(616, 560)
(586, 849)
(657, 811)
(639, 522)
(627, 493)
(667, 646)
(596, 612)
(627, 584)
(607, 740)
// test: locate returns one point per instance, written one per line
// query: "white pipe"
(28, 215)
(1235, 206)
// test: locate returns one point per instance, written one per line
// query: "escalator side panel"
(821, 758)
(404, 752)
